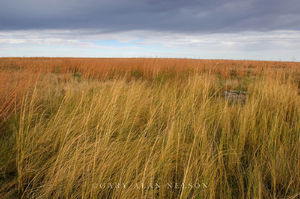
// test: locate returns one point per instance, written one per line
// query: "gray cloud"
(151, 15)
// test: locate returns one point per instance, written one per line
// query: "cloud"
(151, 15)
(233, 29)
(275, 45)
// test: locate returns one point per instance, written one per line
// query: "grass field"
(149, 128)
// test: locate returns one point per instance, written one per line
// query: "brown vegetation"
(70, 126)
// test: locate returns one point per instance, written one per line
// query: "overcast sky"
(222, 29)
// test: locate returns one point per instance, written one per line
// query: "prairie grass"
(153, 128)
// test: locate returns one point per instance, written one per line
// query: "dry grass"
(13, 85)
(152, 128)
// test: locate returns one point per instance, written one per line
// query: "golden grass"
(152, 128)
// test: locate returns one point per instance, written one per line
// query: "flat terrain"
(149, 128)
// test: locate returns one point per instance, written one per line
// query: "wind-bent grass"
(148, 128)
(171, 139)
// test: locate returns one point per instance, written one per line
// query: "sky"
(210, 29)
